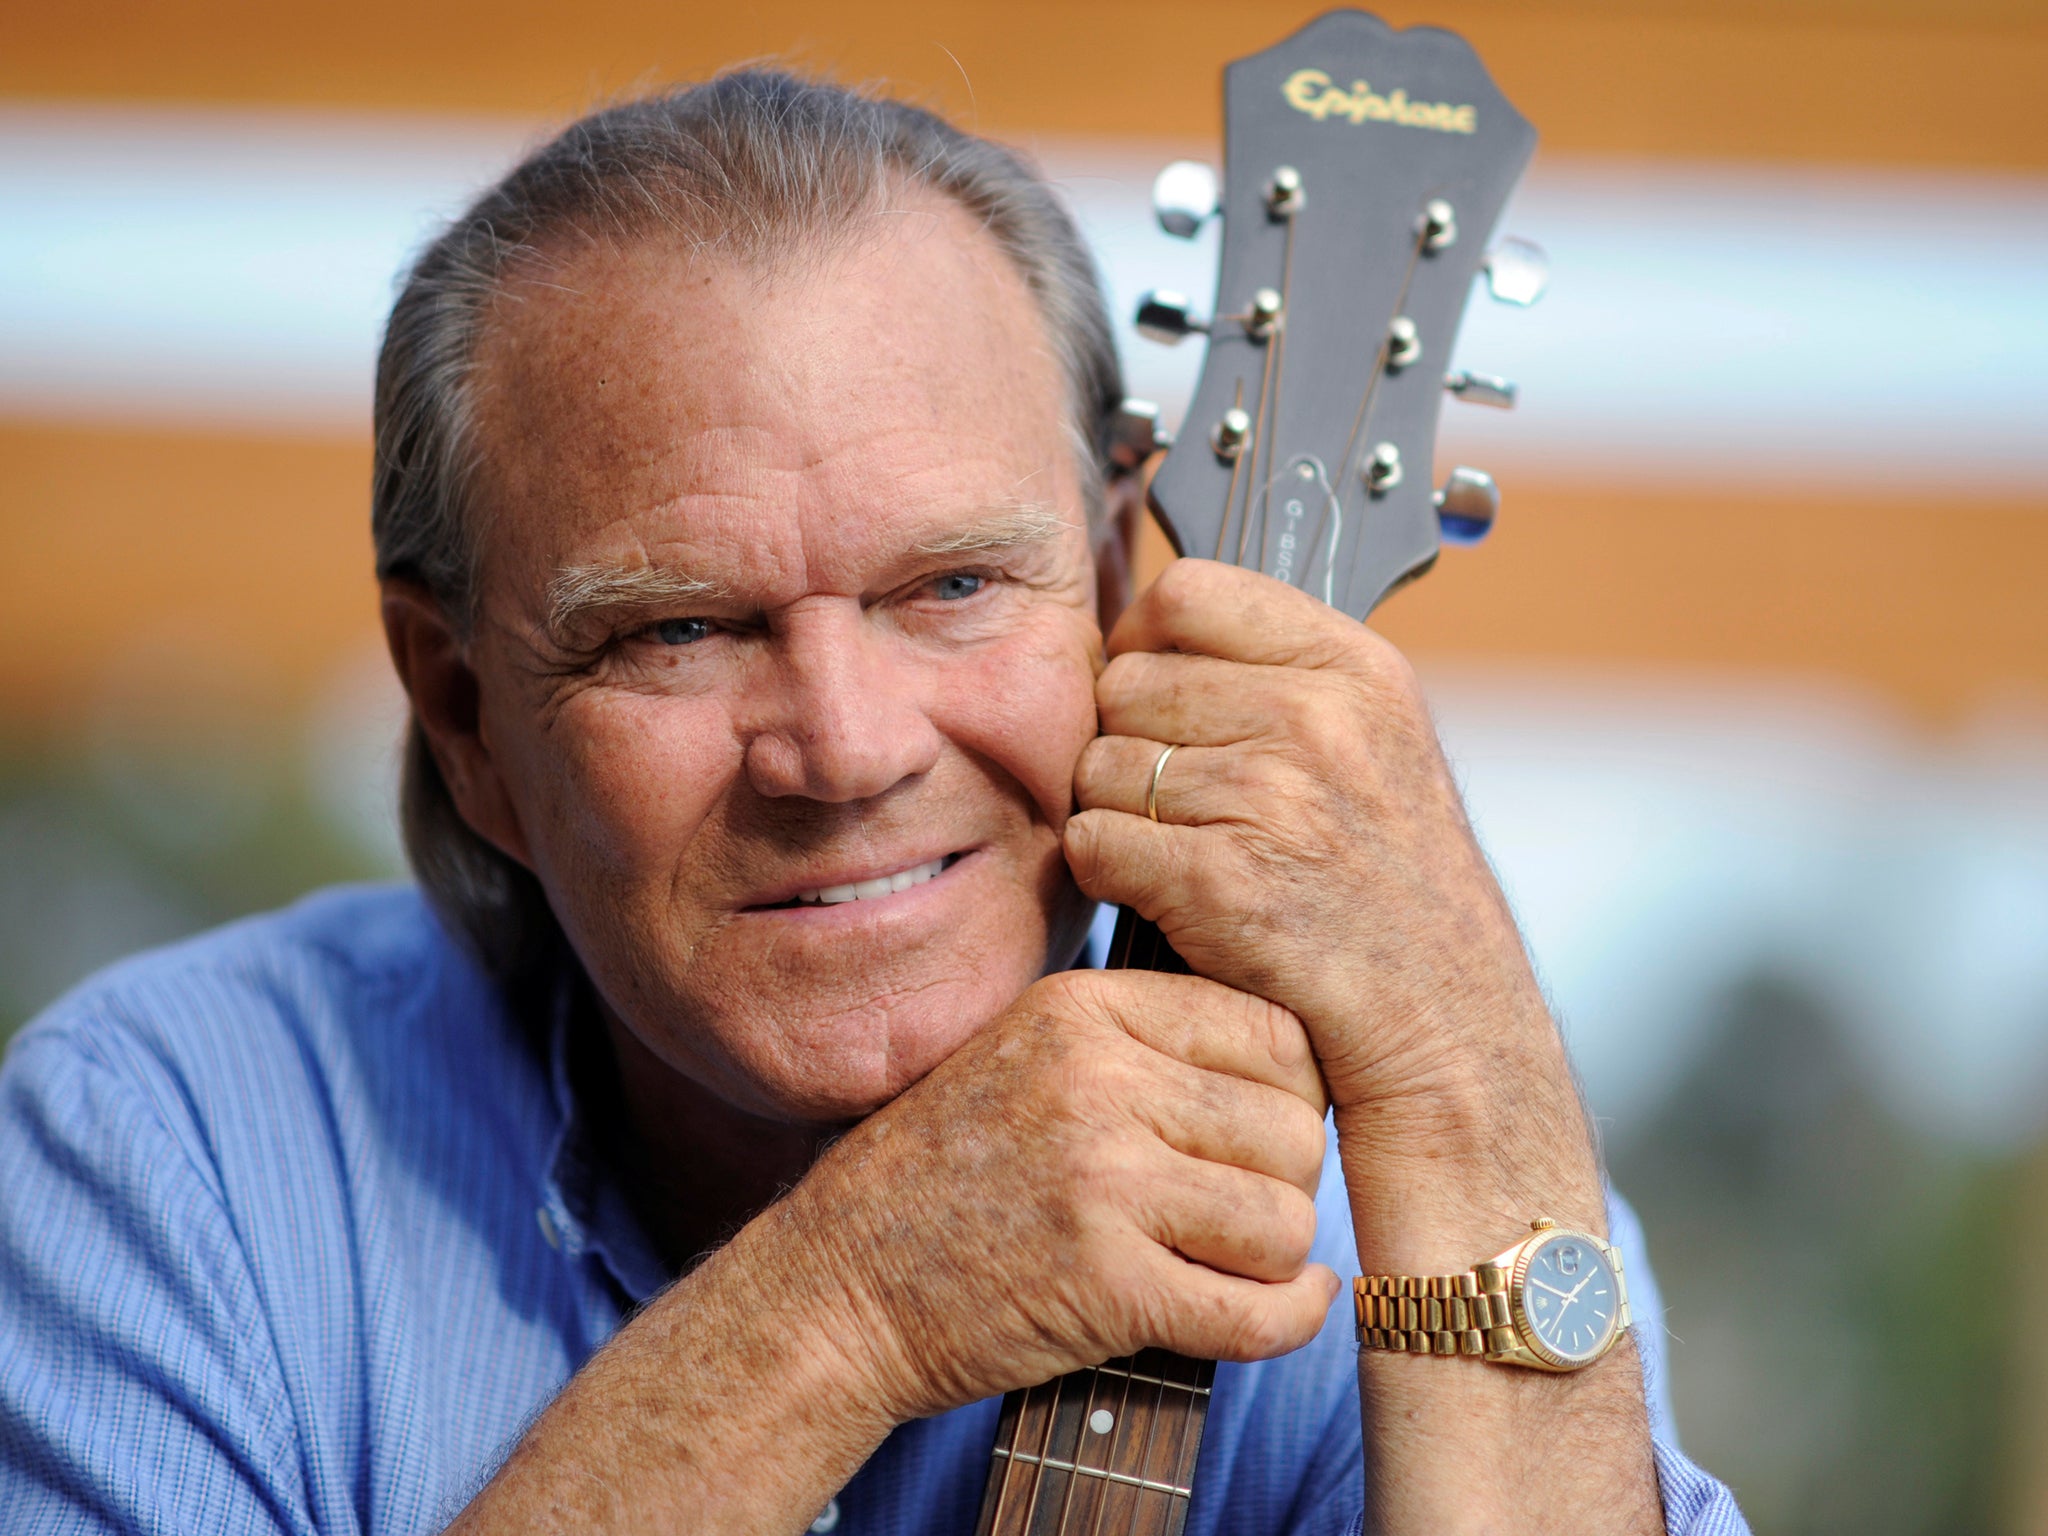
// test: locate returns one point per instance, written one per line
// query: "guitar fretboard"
(1108, 1451)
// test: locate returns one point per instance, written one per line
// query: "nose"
(839, 714)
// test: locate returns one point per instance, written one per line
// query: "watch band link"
(1462, 1314)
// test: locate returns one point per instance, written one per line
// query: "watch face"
(1570, 1298)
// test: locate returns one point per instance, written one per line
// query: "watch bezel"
(1525, 1325)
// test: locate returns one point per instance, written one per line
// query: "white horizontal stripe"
(1852, 330)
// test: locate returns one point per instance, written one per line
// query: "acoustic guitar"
(1365, 169)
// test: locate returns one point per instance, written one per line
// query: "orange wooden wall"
(106, 530)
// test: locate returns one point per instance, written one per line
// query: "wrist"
(1453, 1167)
(801, 1288)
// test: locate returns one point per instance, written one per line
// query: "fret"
(1055, 1464)
(1150, 1381)
(1108, 1449)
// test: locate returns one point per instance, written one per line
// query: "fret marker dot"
(1102, 1421)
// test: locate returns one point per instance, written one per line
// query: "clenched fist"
(1122, 1160)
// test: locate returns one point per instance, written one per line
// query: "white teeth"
(867, 890)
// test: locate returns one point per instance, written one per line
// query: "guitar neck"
(1112, 1448)
(1109, 1449)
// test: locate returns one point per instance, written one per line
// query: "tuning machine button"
(1185, 196)
(1439, 225)
(1285, 193)
(1481, 389)
(1264, 316)
(1135, 434)
(1164, 316)
(1231, 433)
(1467, 506)
(1383, 468)
(1404, 342)
(1517, 271)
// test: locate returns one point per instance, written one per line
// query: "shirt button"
(548, 1230)
(829, 1520)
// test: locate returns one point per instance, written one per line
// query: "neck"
(695, 1168)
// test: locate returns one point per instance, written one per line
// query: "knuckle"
(1279, 1034)
(1259, 1331)
(1094, 767)
(1081, 841)
(1294, 1228)
(1067, 996)
(1309, 1141)
(1120, 679)
(1181, 587)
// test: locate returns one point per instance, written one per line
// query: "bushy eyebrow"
(1025, 523)
(580, 590)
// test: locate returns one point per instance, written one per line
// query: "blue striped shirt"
(298, 1231)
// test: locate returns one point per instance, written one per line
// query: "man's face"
(787, 590)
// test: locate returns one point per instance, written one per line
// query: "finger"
(1210, 609)
(1207, 1315)
(1222, 1118)
(1236, 1222)
(1197, 700)
(1200, 1023)
(1197, 786)
(1156, 867)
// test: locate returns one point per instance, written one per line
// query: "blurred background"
(1749, 691)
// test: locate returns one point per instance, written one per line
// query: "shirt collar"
(583, 1209)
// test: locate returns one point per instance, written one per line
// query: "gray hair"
(753, 165)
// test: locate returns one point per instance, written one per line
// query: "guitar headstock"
(1365, 170)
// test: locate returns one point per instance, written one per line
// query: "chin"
(843, 1066)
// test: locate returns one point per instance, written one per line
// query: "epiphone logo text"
(1311, 91)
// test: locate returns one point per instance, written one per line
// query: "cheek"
(1029, 708)
(624, 781)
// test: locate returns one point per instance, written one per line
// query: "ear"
(1116, 547)
(434, 666)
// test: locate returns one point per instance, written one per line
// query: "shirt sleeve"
(1695, 1502)
(140, 1389)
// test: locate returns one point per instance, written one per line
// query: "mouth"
(871, 888)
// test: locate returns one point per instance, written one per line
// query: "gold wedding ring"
(1152, 794)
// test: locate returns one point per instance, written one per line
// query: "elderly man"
(729, 1126)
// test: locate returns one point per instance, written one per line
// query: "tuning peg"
(1467, 506)
(1135, 434)
(1164, 317)
(1481, 388)
(1184, 197)
(1517, 271)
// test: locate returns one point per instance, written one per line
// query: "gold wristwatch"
(1556, 1301)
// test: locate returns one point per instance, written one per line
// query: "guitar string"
(1074, 1456)
(995, 1519)
(1352, 463)
(1112, 1453)
(1052, 1421)
(1276, 349)
(1145, 1451)
(1030, 1499)
(1251, 451)
(1183, 1475)
(1236, 465)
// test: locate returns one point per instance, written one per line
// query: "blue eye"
(958, 584)
(682, 631)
